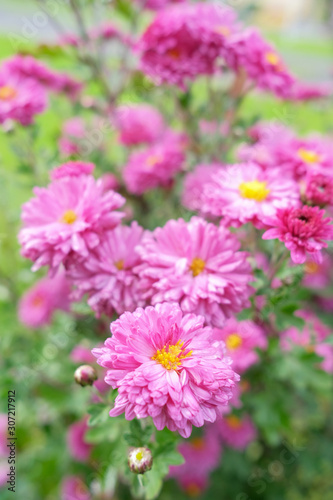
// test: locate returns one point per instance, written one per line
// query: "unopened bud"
(85, 375)
(140, 460)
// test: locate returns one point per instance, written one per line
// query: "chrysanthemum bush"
(174, 253)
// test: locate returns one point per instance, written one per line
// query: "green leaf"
(99, 414)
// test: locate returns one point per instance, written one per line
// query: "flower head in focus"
(166, 366)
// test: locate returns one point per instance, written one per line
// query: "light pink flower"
(318, 275)
(21, 98)
(39, 303)
(28, 67)
(110, 181)
(193, 183)
(185, 41)
(305, 92)
(138, 124)
(202, 455)
(155, 166)
(67, 220)
(166, 366)
(156, 4)
(312, 338)
(108, 276)
(73, 488)
(73, 130)
(248, 51)
(72, 169)
(197, 265)
(236, 432)
(242, 338)
(302, 230)
(319, 189)
(246, 192)
(78, 448)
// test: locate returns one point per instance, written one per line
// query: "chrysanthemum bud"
(140, 460)
(85, 375)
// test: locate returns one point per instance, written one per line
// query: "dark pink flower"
(79, 449)
(319, 189)
(166, 366)
(302, 230)
(139, 124)
(236, 432)
(185, 41)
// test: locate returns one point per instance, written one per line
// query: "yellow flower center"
(234, 422)
(233, 341)
(119, 265)
(7, 93)
(272, 58)
(254, 190)
(198, 443)
(69, 217)
(197, 266)
(223, 30)
(309, 156)
(152, 160)
(170, 356)
(311, 267)
(193, 490)
(139, 455)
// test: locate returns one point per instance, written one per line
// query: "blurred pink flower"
(73, 488)
(318, 275)
(166, 366)
(312, 338)
(197, 265)
(108, 275)
(110, 181)
(39, 303)
(157, 165)
(4, 470)
(138, 124)
(202, 455)
(319, 189)
(67, 219)
(193, 184)
(73, 130)
(21, 98)
(72, 169)
(236, 432)
(302, 230)
(242, 338)
(246, 192)
(185, 41)
(78, 448)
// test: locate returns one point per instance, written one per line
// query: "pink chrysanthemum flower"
(302, 230)
(193, 182)
(157, 4)
(21, 98)
(185, 41)
(246, 192)
(108, 276)
(236, 432)
(319, 189)
(79, 449)
(197, 265)
(31, 68)
(73, 488)
(139, 124)
(250, 52)
(166, 366)
(110, 181)
(157, 165)
(305, 92)
(318, 275)
(242, 338)
(39, 303)
(312, 338)
(202, 455)
(72, 169)
(67, 219)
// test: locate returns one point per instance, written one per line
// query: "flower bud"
(85, 375)
(140, 460)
